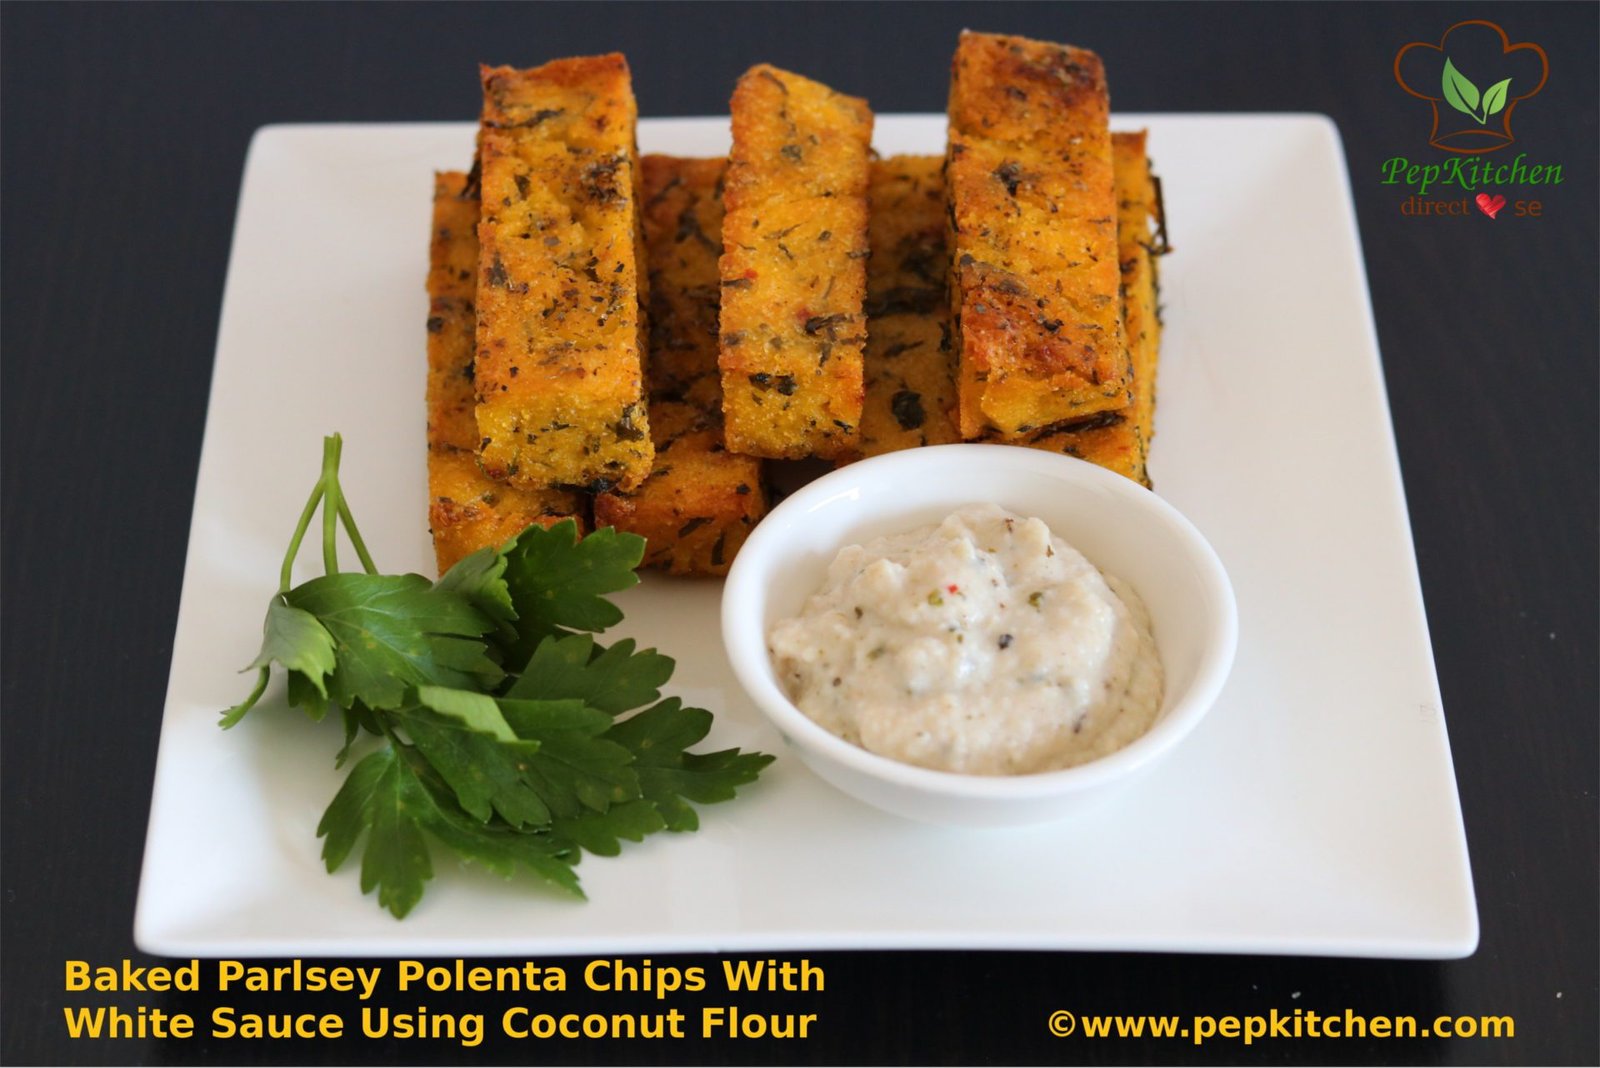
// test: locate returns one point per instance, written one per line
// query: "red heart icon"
(1489, 205)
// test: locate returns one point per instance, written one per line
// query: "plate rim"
(151, 936)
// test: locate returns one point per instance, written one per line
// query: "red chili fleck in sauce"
(953, 588)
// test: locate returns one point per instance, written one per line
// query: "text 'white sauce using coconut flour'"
(982, 645)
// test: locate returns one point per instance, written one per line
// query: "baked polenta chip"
(561, 334)
(1120, 440)
(452, 316)
(683, 240)
(909, 368)
(1138, 209)
(793, 270)
(700, 500)
(911, 379)
(467, 510)
(698, 505)
(1033, 237)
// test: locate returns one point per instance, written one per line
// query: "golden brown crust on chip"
(700, 500)
(682, 201)
(452, 318)
(1138, 207)
(903, 361)
(909, 367)
(1033, 237)
(793, 273)
(1120, 439)
(699, 503)
(467, 509)
(560, 331)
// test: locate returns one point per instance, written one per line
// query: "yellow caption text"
(369, 984)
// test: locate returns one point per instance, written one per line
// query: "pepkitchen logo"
(1473, 79)
(1508, 73)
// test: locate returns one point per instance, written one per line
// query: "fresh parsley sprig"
(506, 732)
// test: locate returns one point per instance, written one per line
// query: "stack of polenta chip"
(640, 337)
(911, 365)
(700, 499)
(468, 510)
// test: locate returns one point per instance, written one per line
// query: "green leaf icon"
(1494, 98)
(1460, 93)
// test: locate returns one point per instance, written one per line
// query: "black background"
(124, 134)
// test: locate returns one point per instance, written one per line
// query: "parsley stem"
(285, 576)
(331, 447)
(233, 715)
(355, 536)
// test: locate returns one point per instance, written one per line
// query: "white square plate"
(1314, 811)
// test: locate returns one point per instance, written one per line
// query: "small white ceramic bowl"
(1120, 526)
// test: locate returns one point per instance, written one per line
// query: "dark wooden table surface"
(124, 135)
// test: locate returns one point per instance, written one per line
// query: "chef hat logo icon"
(1472, 79)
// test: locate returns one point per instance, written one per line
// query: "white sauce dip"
(982, 644)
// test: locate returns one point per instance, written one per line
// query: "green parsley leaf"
(392, 799)
(476, 710)
(296, 639)
(346, 816)
(599, 832)
(302, 694)
(357, 718)
(485, 773)
(658, 736)
(480, 578)
(613, 680)
(575, 768)
(503, 851)
(522, 781)
(705, 778)
(497, 847)
(381, 798)
(668, 776)
(392, 632)
(558, 581)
